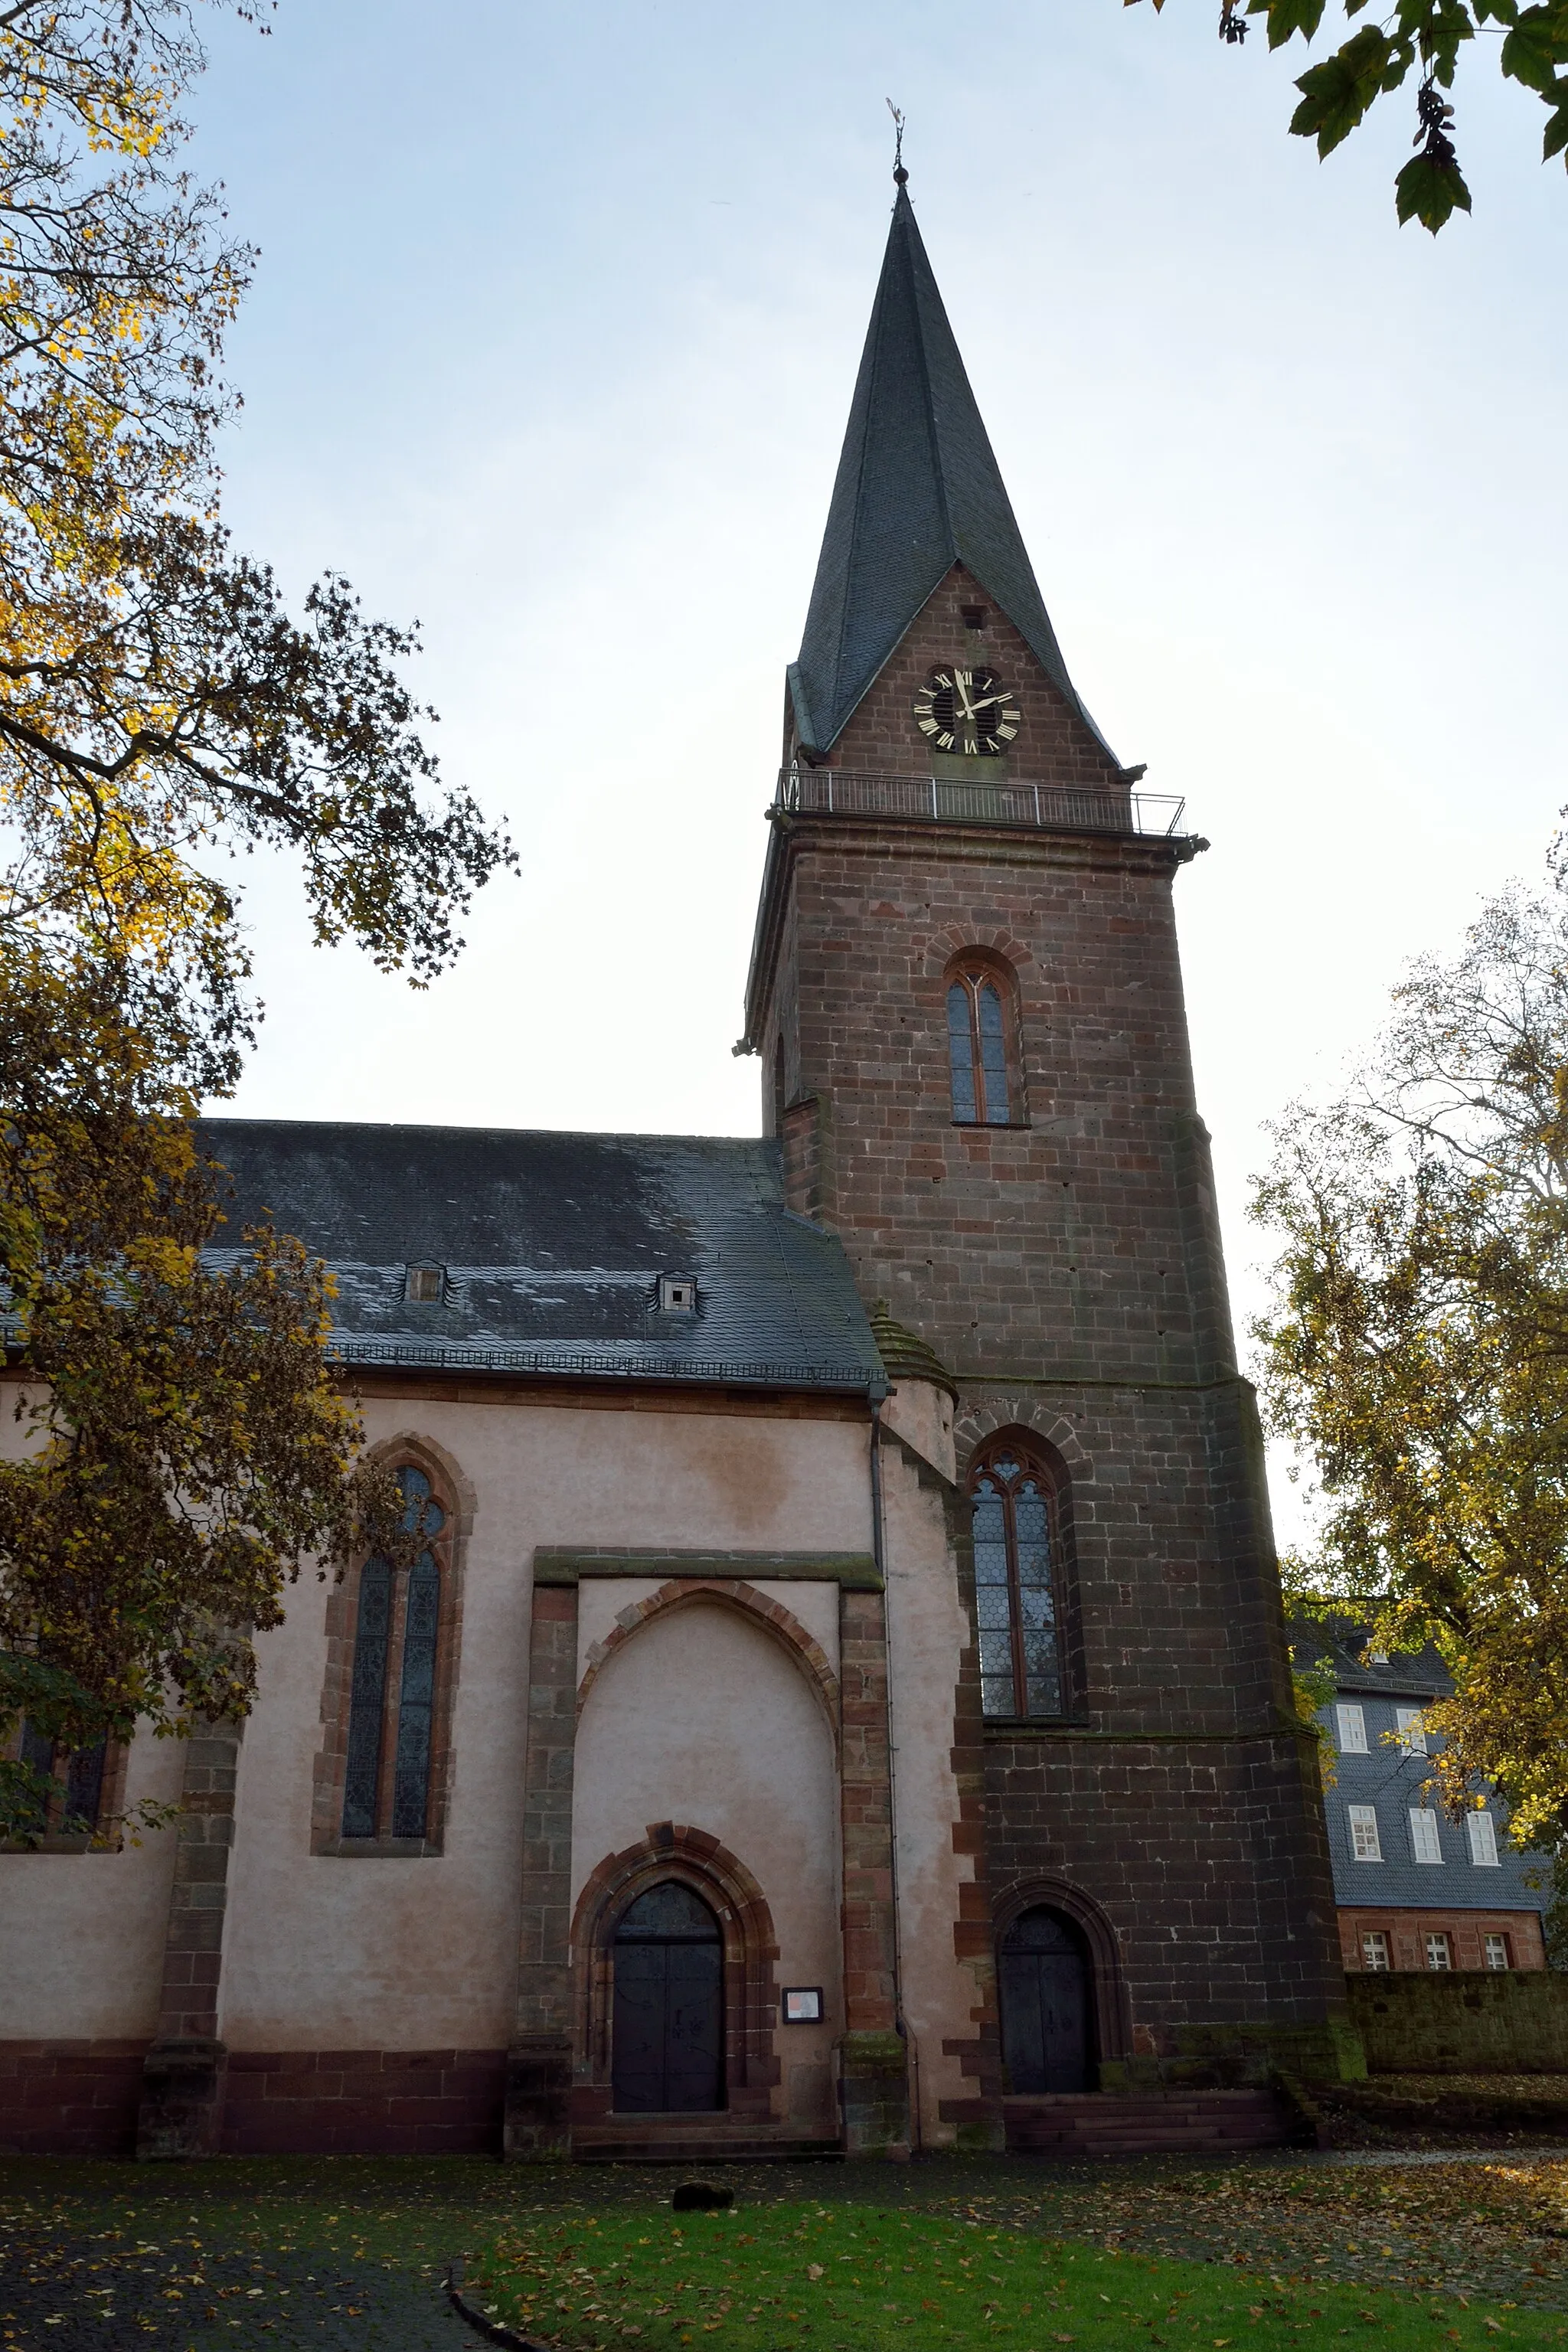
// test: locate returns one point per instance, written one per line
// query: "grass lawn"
(809, 2276)
(346, 2253)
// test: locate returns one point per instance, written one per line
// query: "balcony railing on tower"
(1051, 808)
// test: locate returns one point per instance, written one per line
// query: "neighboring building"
(1415, 1889)
(843, 1700)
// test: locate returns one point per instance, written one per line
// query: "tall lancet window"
(1018, 1583)
(392, 1694)
(977, 1026)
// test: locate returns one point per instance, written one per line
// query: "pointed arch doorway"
(667, 2046)
(1047, 2020)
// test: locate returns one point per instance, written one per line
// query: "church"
(841, 1702)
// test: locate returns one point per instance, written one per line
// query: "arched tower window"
(1018, 1583)
(392, 1691)
(978, 1022)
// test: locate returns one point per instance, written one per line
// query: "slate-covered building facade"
(840, 1700)
(1416, 1888)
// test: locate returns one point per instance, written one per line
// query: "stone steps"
(687, 2139)
(1097, 2123)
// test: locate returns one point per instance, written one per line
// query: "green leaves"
(1429, 190)
(1285, 18)
(1536, 46)
(1336, 95)
(1417, 1349)
(1421, 38)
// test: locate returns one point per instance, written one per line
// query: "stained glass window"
(977, 1050)
(1016, 1588)
(396, 1640)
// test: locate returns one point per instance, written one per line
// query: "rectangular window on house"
(1481, 1830)
(1496, 1951)
(1375, 1951)
(1353, 1730)
(1426, 1841)
(1438, 1955)
(1364, 1843)
(1412, 1730)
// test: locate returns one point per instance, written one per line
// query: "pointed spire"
(918, 490)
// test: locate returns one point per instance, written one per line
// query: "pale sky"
(552, 345)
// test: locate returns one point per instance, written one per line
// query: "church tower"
(966, 995)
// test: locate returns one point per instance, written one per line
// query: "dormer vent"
(677, 1293)
(424, 1286)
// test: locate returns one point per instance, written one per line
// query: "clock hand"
(958, 688)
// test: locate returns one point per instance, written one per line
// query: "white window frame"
(1366, 1844)
(1412, 1730)
(1495, 1952)
(1438, 1943)
(1375, 1954)
(1426, 1837)
(1481, 1830)
(1353, 1730)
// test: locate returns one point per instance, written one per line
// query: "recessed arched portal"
(1043, 1977)
(667, 2034)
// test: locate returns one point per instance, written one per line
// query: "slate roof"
(1393, 1781)
(552, 1246)
(918, 490)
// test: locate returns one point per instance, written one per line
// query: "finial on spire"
(899, 174)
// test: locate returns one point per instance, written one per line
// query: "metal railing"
(1053, 808)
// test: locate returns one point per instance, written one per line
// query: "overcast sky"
(552, 345)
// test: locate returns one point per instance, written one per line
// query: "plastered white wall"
(701, 1718)
(324, 1952)
(603, 1602)
(83, 1935)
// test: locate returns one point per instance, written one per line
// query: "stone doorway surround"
(557, 2099)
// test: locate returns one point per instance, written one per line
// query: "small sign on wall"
(802, 2005)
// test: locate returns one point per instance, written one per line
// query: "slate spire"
(918, 490)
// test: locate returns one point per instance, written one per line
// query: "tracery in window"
(977, 1023)
(1017, 1584)
(397, 1627)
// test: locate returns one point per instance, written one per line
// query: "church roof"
(918, 490)
(548, 1250)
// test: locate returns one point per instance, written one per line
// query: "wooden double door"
(1047, 2020)
(667, 2045)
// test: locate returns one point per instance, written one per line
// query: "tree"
(1424, 40)
(186, 1442)
(1417, 1346)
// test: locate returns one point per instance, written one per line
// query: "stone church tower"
(967, 997)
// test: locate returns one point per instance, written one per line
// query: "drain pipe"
(880, 1555)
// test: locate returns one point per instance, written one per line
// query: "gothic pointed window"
(392, 1684)
(1017, 1584)
(978, 1041)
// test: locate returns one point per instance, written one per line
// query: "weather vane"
(899, 174)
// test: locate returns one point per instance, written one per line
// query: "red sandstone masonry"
(364, 2102)
(1407, 1930)
(866, 1804)
(1069, 1271)
(70, 2098)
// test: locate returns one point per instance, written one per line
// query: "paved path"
(80, 2292)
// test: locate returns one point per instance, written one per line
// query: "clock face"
(967, 710)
